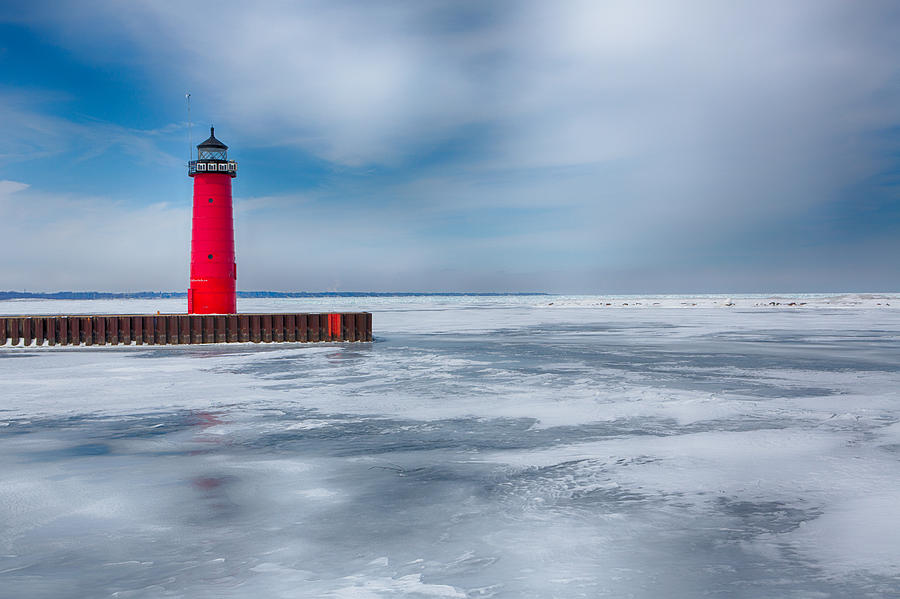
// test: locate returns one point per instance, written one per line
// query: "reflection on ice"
(515, 451)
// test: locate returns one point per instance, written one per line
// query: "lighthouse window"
(210, 256)
(201, 166)
(210, 154)
(210, 200)
(222, 167)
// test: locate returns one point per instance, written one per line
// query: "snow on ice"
(523, 446)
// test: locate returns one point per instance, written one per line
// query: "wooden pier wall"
(183, 329)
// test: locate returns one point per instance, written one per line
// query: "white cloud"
(55, 242)
(32, 132)
(69, 242)
(612, 133)
(7, 188)
(730, 89)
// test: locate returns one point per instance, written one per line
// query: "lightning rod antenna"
(190, 128)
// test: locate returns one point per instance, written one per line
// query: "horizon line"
(63, 295)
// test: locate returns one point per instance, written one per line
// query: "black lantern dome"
(212, 157)
(212, 148)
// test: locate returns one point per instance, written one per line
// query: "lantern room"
(212, 157)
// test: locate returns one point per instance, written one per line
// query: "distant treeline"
(90, 295)
(82, 295)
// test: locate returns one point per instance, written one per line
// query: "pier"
(184, 329)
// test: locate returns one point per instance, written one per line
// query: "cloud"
(528, 138)
(75, 242)
(71, 242)
(32, 132)
(7, 188)
(716, 91)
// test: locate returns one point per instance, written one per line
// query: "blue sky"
(609, 147)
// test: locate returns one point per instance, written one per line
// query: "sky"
(570, 147)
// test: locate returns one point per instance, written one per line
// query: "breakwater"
(184, 329)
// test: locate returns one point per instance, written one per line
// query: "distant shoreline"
(88, 295)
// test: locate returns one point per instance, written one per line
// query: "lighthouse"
(213, 265)
(212, 299)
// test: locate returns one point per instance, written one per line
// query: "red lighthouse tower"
(213, 266)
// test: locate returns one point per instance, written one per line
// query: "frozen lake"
(507, 447)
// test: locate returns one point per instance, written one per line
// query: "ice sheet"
(482, 447)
